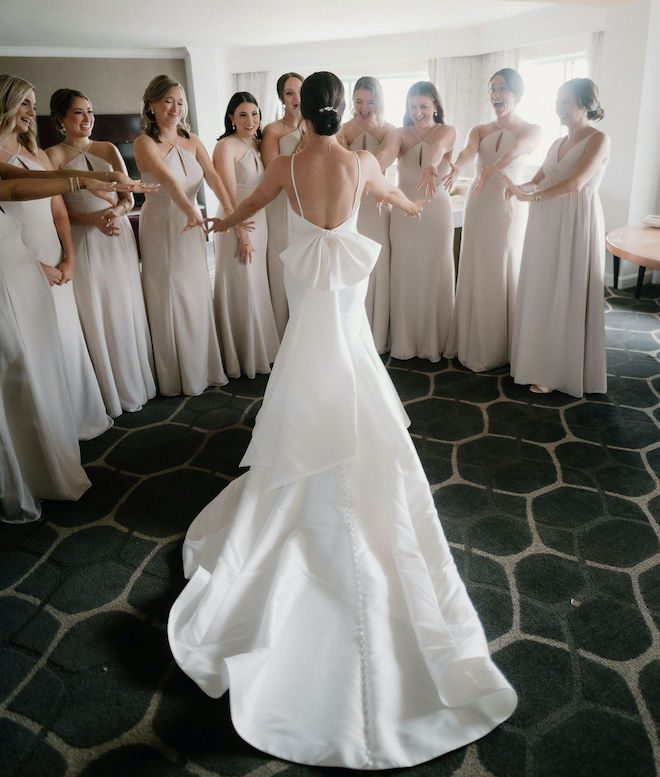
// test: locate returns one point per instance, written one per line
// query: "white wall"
(209, 81)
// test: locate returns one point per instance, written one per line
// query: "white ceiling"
(140, 24)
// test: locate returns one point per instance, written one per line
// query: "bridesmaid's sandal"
(540, 389)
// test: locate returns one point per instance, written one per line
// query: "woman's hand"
(194, 220)
(487, 171)
(53, 274)
(244, 249)
(66, 269)
(106, 223)
(513, 190)
(416, 209)
(427, 182)
(217, 225)
(449, 180)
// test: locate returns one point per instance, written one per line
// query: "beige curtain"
(463, 86)
(263, 86)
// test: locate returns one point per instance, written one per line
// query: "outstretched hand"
(106, 189)
(416, 209)
(449, 180)
(427, 183)
(487, 171)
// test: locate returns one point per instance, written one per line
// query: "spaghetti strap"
(295, 188)
(357, 186)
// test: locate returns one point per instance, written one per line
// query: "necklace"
(430, 132)
(289, 123)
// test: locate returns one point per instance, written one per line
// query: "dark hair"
(283, 79)
(513, 81)
(322, 102)
(586, 96)
(236, 99)
(156, 89)
(60, 102)
(424, 89)
(373, 85)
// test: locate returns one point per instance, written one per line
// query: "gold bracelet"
(74, 184)
(107, 176)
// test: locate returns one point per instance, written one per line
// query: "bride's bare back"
(328, 184)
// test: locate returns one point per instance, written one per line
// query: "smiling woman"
(174, 271)
(107, 283)
(243, 306)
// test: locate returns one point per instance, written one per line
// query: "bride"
(321, 588)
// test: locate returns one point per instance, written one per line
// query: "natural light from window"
(542, 78)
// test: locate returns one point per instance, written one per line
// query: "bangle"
(74, 184)
(107, 176)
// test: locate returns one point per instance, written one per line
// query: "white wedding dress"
(322, 590)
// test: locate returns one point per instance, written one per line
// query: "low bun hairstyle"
(60, 102)
(586, 96)
(156, 89)
(513, 80)
(424, 89)
(322, 102)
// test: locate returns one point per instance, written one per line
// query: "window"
(542, 78)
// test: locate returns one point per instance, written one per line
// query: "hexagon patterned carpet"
(551, 508)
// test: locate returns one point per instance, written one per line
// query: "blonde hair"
(156, 89)
(12, 93)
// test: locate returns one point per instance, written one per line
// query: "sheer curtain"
(463, 86)
(595, 55)
(263, 86)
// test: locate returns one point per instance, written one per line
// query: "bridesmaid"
(107, 283)
(243, 307)
(493, 230)
(47, 232)
(422, 276)
(281, 137)
(175, 274)
(559, 327)
(40, 454)
(366, 131)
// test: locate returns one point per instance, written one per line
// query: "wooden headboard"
(117, 128)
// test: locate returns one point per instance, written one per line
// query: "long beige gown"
(109, 296)
(40, 235)
(422, 276)
(243, 307)
(559, 326)
(376, 225)
(489, 264)
(177, 288)
(276, 215)
(39, 453)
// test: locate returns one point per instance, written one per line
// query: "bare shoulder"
(598, 143)
(274, 130)
(57, 155)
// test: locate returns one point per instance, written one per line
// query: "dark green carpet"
(551, 507)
